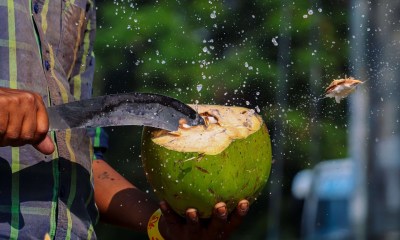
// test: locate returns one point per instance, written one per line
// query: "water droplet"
(305, 16)
(199, 87)
(213, 15)
(310, 12)
(274, 41)
(319, 9)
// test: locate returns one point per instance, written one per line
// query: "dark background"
(274, 56)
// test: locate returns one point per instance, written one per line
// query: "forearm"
(119, 202)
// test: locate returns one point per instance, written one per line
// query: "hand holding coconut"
(208, 171)
(121, 203)
(220, 226)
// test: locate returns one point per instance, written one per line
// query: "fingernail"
(191, 214)
(221, 211)
(243, 208)
(163, 206)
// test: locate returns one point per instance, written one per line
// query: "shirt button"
(47, 65)
(36, 7)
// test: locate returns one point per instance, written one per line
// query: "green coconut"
(227, 160)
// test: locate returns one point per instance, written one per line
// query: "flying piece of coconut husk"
(341, 88)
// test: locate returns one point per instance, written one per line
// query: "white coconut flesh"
(224, 124)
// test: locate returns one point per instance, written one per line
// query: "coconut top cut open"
(224, 124)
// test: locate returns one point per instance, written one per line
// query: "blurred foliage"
(222, 52)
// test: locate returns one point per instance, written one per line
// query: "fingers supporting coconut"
(220, 226)
(218, 220)
(175, 226)
(193, 224)
(222, 223)
(191, 216)
(242, 208)
(220, 212)
(169, 215)
(238, 215)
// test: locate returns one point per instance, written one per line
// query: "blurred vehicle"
(327, 192)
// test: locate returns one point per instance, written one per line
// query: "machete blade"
(144, 109)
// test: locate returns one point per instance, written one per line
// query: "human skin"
(23, 120)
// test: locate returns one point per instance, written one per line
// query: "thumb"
(46, 146)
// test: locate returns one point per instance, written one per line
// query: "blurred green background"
(272, 56)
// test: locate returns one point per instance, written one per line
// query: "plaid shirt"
(46, 47)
